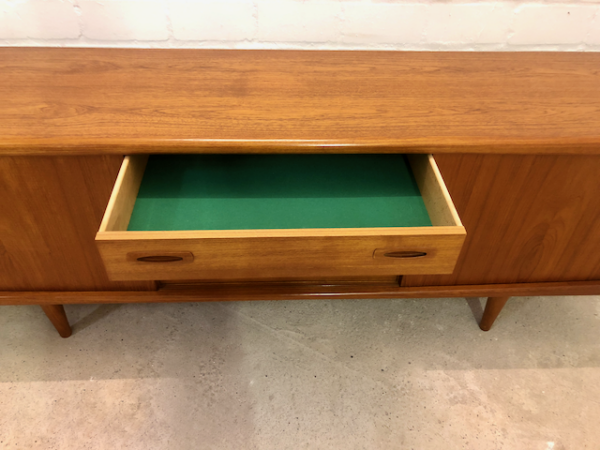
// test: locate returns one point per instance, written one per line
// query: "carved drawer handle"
(389, 255)
(160, 257)
(405, 254)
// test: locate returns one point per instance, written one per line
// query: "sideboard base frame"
(498, 294)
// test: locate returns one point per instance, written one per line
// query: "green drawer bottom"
(241, 192)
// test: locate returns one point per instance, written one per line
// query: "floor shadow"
(476, 307)
(98, 314)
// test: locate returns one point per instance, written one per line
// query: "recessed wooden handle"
(390, 255)
(405, 254)
(160, 257)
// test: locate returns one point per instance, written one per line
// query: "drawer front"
(220, 258)
(259, 254)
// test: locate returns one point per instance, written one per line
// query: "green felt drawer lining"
(230, 192)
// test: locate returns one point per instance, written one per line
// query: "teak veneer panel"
(529, 219)
(51, 208)
(124, 101)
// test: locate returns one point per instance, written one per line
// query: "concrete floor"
(350, 374)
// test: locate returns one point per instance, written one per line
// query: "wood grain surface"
(434, 192)
(223, 258)
(123, 101)
(283, 291)
(529, 218)
(50, 210)
(124, 193)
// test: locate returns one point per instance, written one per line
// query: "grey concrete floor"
(344, 374)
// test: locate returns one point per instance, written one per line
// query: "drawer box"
(235, 217)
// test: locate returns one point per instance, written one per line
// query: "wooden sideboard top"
(90, 101)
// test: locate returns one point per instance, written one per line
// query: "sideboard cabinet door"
(529, 218)
(50, 210)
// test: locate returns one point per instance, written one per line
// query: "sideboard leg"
(56, 314)
(493, 307)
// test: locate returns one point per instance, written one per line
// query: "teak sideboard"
(500, 152)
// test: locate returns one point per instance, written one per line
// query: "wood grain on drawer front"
(293, 253)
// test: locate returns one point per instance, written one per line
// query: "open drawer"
(226, 217)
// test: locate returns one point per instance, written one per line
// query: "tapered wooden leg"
(493, 307)
(56, 314)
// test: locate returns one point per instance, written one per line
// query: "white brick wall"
(213, 20)
(312, 24)
(23, 21)
(563, 24)
(117, 20)
(298, 21)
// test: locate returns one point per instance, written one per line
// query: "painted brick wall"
(310, 24)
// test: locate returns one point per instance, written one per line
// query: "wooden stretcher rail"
(235, 292)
